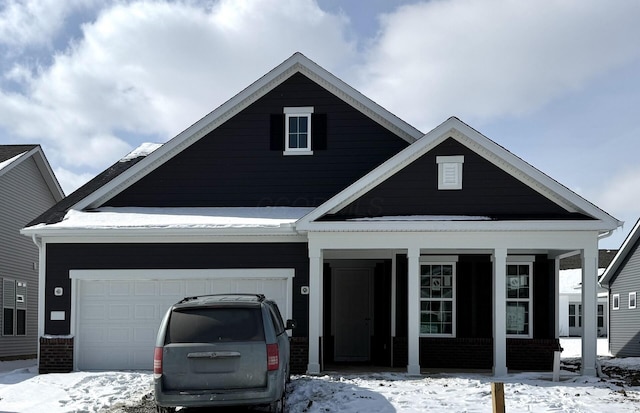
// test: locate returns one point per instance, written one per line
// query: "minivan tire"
(161, 409)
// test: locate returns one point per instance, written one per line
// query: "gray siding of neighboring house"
(624, 327)
(23, 196)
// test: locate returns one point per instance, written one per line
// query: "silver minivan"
(222, 350)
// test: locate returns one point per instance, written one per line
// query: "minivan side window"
(209, 325)
(277, 318)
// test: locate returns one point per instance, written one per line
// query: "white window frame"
(441, 260)
(16, 303)
(576, 317)
(632, 299)
(615, 301)
(297, 112)
(450, 172)
(528, 261)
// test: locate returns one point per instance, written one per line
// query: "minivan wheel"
(161, 409)
(277, 406)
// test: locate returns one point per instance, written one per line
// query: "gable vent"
(450, 172)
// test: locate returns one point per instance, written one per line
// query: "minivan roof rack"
(260, 297)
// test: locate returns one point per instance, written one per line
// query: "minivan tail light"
(273, 357)
(157, 362)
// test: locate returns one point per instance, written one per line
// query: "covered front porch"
(444, 299)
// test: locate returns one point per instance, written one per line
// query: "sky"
(555, 82)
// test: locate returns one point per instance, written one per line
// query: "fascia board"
(486, 148)
(296, 63)
(621, 255)
(47, 173)
(44, 231)
(379, 174)
(451, 226)
(535, 178)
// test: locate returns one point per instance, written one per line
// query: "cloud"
(151, 69)
(34, 22)
(494, 58)
(622, 193)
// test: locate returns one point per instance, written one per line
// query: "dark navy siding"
(64, 257)
(487, 191)
(234, 165)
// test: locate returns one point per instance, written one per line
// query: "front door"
(352, 313)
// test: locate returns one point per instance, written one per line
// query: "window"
(632, 300)
(575, 315)
(437, 297)
(14, 308)
(616, 301)
(449, 172)
(600, 316)
(519, 303)
(298, 131)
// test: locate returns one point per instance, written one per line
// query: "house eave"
(453, 226)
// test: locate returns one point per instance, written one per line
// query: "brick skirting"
(56, 355)
(477, 353)
(299, 355)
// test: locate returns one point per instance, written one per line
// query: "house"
(570, 310)
(28, 187)
(622, 280)
(389, 247)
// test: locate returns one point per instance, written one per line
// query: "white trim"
(517, 261)
(453, 299)
(635, 301)
(297, 63)
(615, 297)
(484, 147)
(450, 172)
(439, 259)
(297, 112)
(180, 274)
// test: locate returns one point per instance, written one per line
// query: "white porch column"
(413, 300)
(589, 310)
(499, 312)
(315, 309)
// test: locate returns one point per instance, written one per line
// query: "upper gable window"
(298, 130)
(450, 172)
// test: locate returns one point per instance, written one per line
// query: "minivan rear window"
(209, 325)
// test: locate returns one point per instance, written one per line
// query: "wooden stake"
(497, 394)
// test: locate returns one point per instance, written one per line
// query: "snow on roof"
(571, 280)
(424, 218)
(8, 161)
(134, 217)
(142, 150)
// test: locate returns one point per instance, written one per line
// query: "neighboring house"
(28, 187)
(389, 247)
(570, 311)
(622, 279)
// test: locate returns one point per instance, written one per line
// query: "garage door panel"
(117, 320)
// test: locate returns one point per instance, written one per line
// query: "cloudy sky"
(555, 82)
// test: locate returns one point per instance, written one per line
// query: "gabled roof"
(486, 148)
(121, 175)
(627, 248)
(13, 155)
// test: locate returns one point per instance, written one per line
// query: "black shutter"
(277, 132)
(318, 131)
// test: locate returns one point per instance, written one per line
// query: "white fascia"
(452, 226)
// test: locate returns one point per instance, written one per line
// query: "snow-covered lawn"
(22, 390)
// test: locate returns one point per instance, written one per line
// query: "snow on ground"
(22, 390)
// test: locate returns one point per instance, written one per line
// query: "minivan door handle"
(213, 355)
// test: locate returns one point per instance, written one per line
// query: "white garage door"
(118, 312)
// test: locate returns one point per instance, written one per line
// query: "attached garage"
(117, 312)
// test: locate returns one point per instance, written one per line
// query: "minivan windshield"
(209, 325)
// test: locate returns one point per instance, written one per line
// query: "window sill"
(295, 153)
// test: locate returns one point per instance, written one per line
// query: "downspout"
(41, 291)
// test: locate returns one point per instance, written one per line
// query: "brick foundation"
(477, 353)
(299, 355)
(56, 355)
